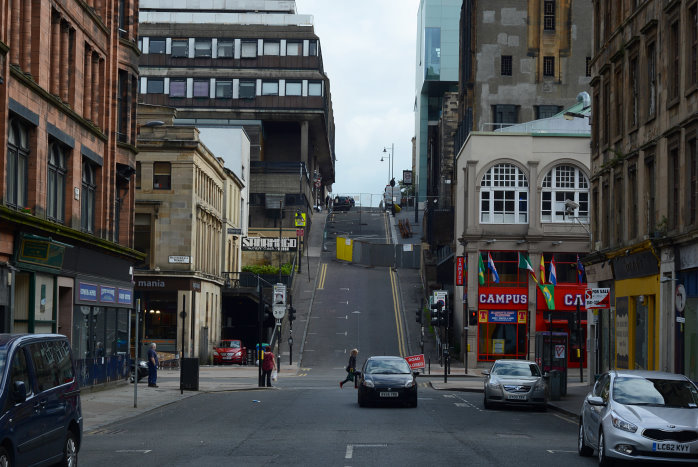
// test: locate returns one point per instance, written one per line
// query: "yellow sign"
(300, 219)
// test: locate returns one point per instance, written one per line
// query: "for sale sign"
(416, 361)
(598, 298)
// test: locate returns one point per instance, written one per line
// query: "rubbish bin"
(555, 383)
(189, 375)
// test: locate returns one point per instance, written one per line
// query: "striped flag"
(580, 270)
(542, 269)
(552, 277)
(492, 268)
(524, 263)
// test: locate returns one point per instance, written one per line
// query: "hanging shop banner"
(501, 298)
(460, 268)
(567, 297)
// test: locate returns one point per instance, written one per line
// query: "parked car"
(640, 415)
(41, 421)
(387, 379)
(515, 382)
(142, 370)
(342, 203)
(229, 351)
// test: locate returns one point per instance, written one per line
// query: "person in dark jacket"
(351, 367)
(152, 366)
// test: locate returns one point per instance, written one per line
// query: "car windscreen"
(655, 392)
(387, 367)
(516, 369)
(230, 344)
(3, 361)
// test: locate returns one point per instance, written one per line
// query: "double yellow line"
(401, 338)
(323, 276)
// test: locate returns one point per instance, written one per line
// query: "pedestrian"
(351, 367)
(152, 366)
(327, 202)
(268, 365)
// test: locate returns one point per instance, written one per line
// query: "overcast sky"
(368, 50)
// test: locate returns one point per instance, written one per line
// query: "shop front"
(686, 317)
(502, 323)
(568, 317)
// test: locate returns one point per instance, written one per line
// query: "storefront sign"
(125, 296)
(497, 316)
(499, 298)
(460, 267)
(567, 297)
(638, 265)
(521, 317)
(166, 283)
(269, 243)
(107, 294)
(599, 272)
(39, 252)
(88, 292)
(104, 294)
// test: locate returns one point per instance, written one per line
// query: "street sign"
(559, 351)
(416, 361)
(279, 311)
(440, 296)
(299, 232)
(299, 219)
(598, 298)
(279, 294)
(460, 268)
(680, 298)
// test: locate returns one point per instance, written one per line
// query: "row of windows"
(229, 88)
(17, 182)
(226, 47)
(504, 195)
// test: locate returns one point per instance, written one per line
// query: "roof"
(575, 120)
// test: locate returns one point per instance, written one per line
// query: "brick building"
(68, 92)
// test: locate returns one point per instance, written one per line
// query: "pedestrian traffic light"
(419, 315)
(291, 313)
(472, 317)
(436, 314)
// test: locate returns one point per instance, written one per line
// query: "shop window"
(507, 265)
(180, 48)
(248, 89)
(565, 195)
(501, 340)
(160, 319)
(226, 48)
(161, 175)
(504, 196)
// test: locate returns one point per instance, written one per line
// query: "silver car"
(640, 415)
(515, 382)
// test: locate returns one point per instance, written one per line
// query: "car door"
(595, 413)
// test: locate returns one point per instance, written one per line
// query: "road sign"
(280, 294)
(440, 295)
(598, 298)
(416, 361)
(279, 311)
(680, 298)
(559, 351)
(299, 219)
(299, 232)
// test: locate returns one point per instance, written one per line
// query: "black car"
(385, 379)
(342, 203)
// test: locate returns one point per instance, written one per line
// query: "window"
(20, 370)
(155, 86)
(505, 114)
(504, 196)
(248, 49)
(201, 87)
(161, 175)
(549, 15)
(202, 47)
(588, 67)
(141, 236)
(293, 88)
(549, 66)
(692, 175)
(138, 175)
(180, 48)
(632, 202)
(224, 89)
(674, 53)
(87, 197)
(565, 195)
(634, 94)
(55, 204)
(294, 48)
(315, 88)
(619, 208)
(157, 45)
(606, 110)
(432, 53)
(618, 108)
(271, 48)
(547, 111)
(506, 66)
(17, 161)
(651, 81)
(178, 87)
(270, 88)
(248, 89)
(673, 187)
(226, 48)
(692, 46)
(650, 190)
(312, 48)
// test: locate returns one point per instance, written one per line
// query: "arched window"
(565, 195)
(17, 162)
(504, 196)
(89, 190)
(55, 203)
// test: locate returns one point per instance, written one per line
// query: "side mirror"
(486, 372)
(546, 375)
(19, 392)
(415, 373)
(596, 401)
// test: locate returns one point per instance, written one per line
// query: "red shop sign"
(567, 297)
(501, 298)
(460, 267)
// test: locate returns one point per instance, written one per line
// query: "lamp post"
(391, 163)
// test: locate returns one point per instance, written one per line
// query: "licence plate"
(227, 358)
(671, 447)
(388, 394)
(516, 397)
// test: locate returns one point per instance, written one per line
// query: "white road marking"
(140, 451)
(343, 317)
(344, 288)
(341, 333)
(350, 448)
(551, 451)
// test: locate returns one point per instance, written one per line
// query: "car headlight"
(494, 385)
(369, 384)
(540, 384)
(215, 354)
(410, 383)
(622, 424)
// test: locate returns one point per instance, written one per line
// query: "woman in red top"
(268, 365)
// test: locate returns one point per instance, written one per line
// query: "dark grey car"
(515, 382)
(387, 379)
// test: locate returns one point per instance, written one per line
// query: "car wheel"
(70, 451)
(603, 458)
(486, 403)
(5, 460)
(582, 448)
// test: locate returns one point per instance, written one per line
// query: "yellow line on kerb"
(323, 275)
(396, 310)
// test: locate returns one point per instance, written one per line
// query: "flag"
(480, 270)
(549, 294)
(552, 277)
(542, 269)
(493, 270)
(525, 264)
(580, 270)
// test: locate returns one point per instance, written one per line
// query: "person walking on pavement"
(327, 202)
(268, 365)
(152, 366)
(351, 367)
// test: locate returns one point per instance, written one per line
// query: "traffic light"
(437, 313)
(291, 313)
(419, 315)
(472, 317)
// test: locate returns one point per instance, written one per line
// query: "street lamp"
(391, 161)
